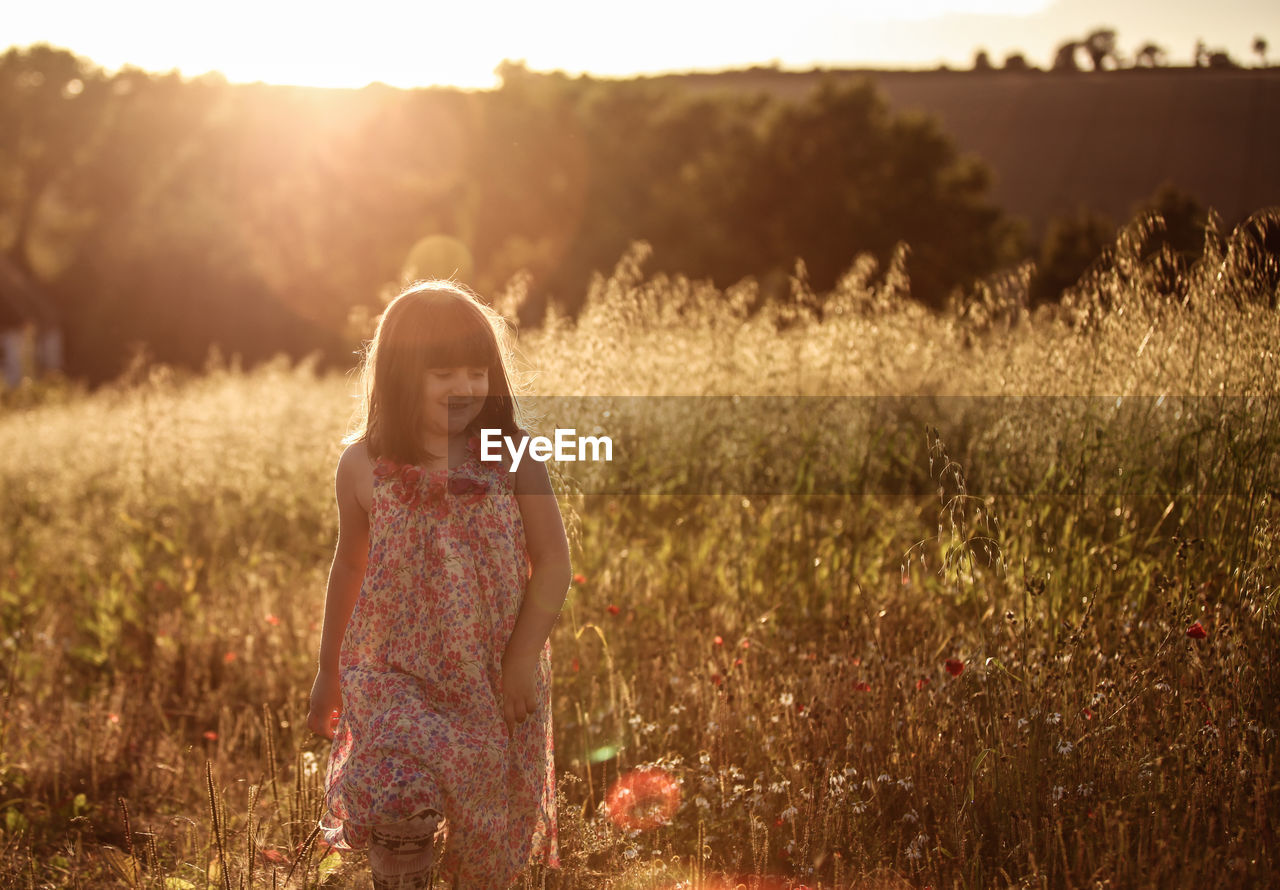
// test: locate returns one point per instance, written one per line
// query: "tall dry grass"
(983, 678)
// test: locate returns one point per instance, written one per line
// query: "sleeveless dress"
(420, 666)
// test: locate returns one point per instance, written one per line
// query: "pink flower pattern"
(420, 667)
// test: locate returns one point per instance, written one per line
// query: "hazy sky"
(328, 43)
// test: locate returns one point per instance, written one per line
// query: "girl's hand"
(326, 704)
(518, 700)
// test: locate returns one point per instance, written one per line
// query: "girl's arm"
(345, 578)
(549, 556)
(543, 595)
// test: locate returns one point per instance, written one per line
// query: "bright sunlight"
(411, 44)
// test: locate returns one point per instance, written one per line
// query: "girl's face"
(454, 398)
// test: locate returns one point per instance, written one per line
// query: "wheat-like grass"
(981, 677)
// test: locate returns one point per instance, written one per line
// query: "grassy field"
(981, 669)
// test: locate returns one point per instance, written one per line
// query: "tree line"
(179, 214)
(1100, 50)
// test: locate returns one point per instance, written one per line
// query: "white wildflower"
(1065, 747)
(786, 699)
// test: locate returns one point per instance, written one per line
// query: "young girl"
(434, 680)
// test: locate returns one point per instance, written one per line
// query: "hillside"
(1103, 140)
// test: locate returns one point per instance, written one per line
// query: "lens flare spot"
(438, 256)
(643, 798)
(599, 755)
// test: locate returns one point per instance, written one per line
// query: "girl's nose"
(462, 384)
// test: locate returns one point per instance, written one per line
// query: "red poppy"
(272, 620)
(717, 679)
(642, 799)
(1197, 632)
(922, 683)
(1088, 714)
(614, 610)
(229, 657)
(955, 666)
(113, 718)
(862, 686)
(210, 735)
(575, 665)
(719, 640)
(579, 579)
(746, 644)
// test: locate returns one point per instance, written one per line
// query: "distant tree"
(1184, 219)
(1170, 252)
(1219, 58)
(981, 61)
(1260, 49)
(1100, 44)
(1150, 55)
(51, 105)
(1070, 245)
(1200, 56)
(1064, 59)
(841, 174)
(1016, 62)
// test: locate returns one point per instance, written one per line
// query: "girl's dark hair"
(431, 324)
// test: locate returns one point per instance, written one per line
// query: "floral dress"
(420, 665)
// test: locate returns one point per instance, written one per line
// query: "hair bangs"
(456, 335)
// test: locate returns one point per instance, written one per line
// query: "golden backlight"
(426, 43)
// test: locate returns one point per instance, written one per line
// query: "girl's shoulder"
(355, 470)
(357, 454)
